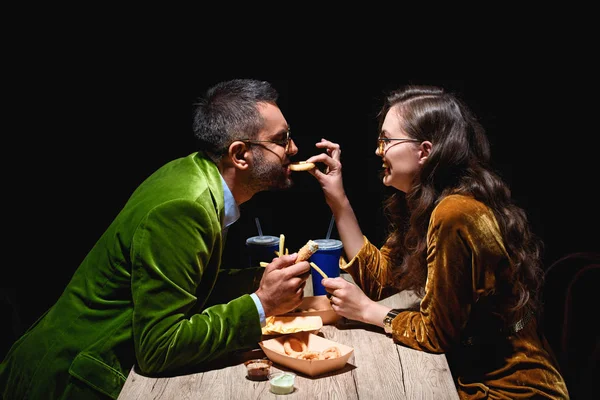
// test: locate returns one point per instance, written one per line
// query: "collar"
(232, 211)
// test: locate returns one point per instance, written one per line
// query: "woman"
(455, 238)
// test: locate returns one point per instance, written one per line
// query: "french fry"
(281, 243)
(287, 252)
(319, 270)
(263, 264)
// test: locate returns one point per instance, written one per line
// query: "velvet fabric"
(465, 261)
(142, 296)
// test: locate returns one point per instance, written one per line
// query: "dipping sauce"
(258, 370)
(282, 382)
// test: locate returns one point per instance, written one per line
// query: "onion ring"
(294, 347)
(309, 355)
(331, 352)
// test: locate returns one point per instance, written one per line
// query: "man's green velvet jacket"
(141, 296)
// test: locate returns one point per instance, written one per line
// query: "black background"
(86, 133)
(92, 139)
(95, 100)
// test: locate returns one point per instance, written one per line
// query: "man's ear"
(424, 151)
(238, 153)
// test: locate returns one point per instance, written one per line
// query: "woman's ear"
(238, 153)
(424, 151)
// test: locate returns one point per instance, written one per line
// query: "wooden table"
(378, 369)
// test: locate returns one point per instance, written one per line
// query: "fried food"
(309, 355)
(307, 250)
(301, 166)
(281, 244)
(319, 270)
(294, 347)
(331, 352)
(283, 324)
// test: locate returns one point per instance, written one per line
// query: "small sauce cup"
(282, 382)
(258, 369)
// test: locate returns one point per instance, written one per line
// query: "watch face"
(387, 328)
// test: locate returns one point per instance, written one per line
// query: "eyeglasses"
(382, 142)
(285, 143)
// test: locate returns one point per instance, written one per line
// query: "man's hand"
(282, 285)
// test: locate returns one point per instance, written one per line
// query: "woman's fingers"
(335, 283)
(333, 149)
(323, 158)
(336, 287)
(331, 158)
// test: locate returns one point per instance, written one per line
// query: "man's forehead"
(274, 121)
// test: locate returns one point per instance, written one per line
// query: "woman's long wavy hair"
(459, 163)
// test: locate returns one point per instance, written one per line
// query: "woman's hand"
(349, 301)
(335, 196)
(331, 179)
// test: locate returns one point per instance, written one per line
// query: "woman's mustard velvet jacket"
(465, 260)
(141, 295)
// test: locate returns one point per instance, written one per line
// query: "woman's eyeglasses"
(285, 143)
(383, 142)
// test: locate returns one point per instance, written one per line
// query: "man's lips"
(288, 171)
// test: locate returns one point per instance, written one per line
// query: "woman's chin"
(387, 181)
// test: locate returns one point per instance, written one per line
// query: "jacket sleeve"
(176, 254)
(372, 271)
(232, 283)
(464, 248)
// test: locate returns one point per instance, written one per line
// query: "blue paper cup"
(261, 248)
(327, 257)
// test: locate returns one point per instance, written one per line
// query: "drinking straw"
(258, 226)
(330, 227)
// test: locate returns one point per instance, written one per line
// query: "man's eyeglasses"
(285, 143)
(383, 142)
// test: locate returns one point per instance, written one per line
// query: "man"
(148, 292)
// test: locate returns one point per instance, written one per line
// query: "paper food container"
(316, 306)
(281, 325)
(274, 350)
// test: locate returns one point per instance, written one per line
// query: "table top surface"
(378, 369)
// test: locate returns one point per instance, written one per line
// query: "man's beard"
(267, 175)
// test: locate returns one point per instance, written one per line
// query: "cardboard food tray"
(322, 307)
(273, 349)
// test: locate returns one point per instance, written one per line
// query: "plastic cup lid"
(263, 240)
(329, 244)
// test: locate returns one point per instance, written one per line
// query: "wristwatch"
(387, 321)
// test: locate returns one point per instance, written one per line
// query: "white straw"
(330, 227)
(258, 226)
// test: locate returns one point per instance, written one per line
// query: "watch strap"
(387, 321)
